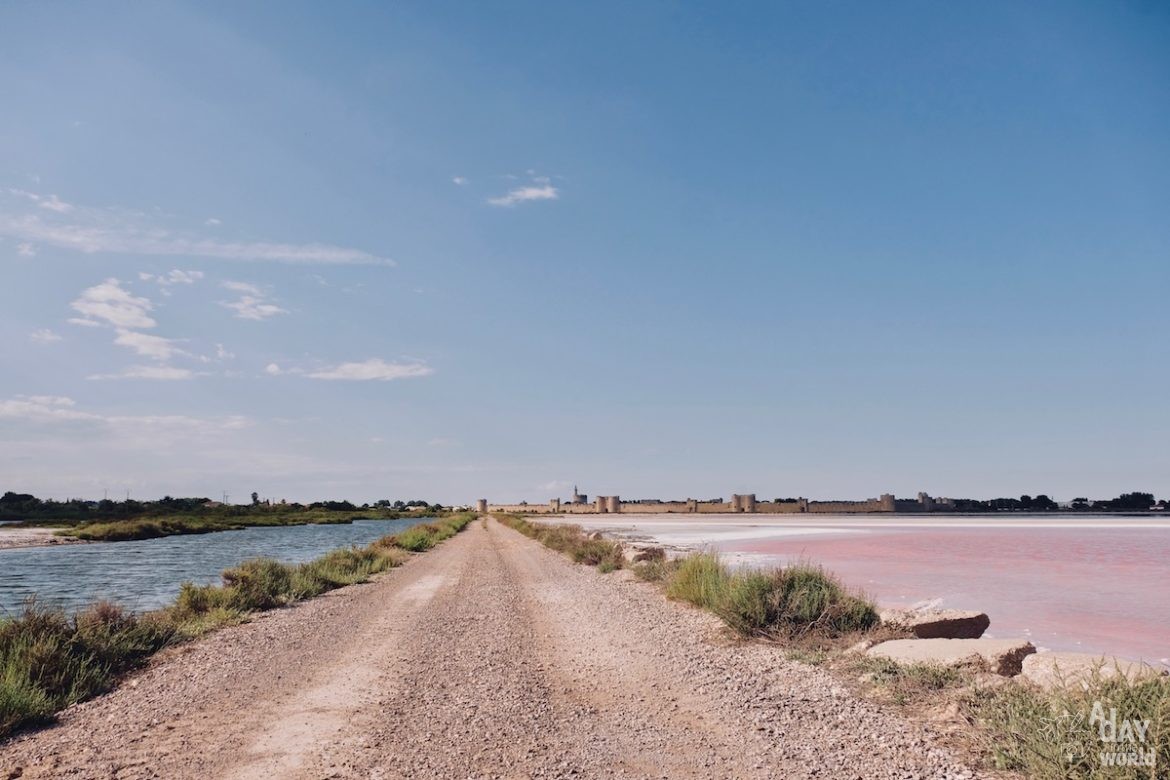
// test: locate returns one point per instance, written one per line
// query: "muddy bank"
(12, 537)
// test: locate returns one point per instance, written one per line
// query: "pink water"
(1098, 584)
(1087, 589)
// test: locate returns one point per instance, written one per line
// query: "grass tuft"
(788, 601)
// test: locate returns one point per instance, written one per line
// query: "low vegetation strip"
(50, 660)
(591, 550)
(174, 525)
(789, 601)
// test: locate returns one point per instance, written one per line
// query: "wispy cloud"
(90, 230)
(110, 303)
(148, 345)
(526, 194)
(459, 180)
(176, 276)
(52, 409)
(251, 308)
(253, 304)
(43, 336)
(25, 249)
(372, 369)
(242, 287)
(164, 373)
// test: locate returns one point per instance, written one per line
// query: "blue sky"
(658, 249)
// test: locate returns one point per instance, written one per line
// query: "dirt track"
(487, 657)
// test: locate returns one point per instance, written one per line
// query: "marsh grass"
(49, 659)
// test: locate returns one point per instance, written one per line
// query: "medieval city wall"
(745, 503)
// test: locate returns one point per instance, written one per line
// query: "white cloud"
(44, 336)
(83, 322)
(222, 353)
(213, 222)
(142, 429)
(108, 301)
(526, 194)
(94, 230)
(147, 345)
(459, 180)
(253, 303)
(249, 307)
(25, 249)
(166, 373)
(177, 276)
(272, 369)
(243, 287)
(41, 408)
(53, 203)
(374, 368)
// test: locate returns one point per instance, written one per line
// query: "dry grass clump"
(1053, 735)
(49, 660)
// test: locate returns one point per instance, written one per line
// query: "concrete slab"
(1002, 656)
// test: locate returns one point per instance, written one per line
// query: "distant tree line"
(1126, 502)
(25, 506)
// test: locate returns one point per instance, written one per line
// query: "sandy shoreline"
(11, 537)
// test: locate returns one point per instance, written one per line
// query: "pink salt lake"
(1097, 584)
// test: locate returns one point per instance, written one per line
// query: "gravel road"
(488, 657)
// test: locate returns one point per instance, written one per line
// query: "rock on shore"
(938, 624)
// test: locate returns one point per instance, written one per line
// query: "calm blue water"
(147, 574)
